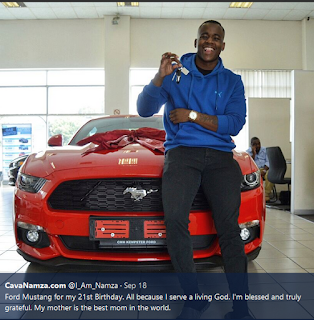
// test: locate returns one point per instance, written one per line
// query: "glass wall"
(48, 102)
(138, 79)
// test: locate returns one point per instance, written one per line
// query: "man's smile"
(208, 50)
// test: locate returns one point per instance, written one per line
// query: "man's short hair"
(212, 21)
(254, 139)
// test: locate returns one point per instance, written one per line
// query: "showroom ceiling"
(160, 10)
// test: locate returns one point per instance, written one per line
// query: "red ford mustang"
(97, 201)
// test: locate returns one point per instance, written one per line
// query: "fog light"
(245, 234)
(32, 236)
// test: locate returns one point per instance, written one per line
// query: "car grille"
(77, 243)
(107, 195)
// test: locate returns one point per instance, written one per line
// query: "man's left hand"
(179, 115)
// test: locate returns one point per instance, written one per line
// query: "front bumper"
(72, 243)
(120, 266)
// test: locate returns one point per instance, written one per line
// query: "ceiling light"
(127, 4)
(240, 4)
(13, 4)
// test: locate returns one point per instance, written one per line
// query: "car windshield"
(120, 123)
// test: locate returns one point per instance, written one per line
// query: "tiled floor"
(288, 245)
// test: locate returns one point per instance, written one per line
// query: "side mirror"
(55, 141)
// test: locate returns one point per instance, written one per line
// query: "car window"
(92, 132)
(108, 124)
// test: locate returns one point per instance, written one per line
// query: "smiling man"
(204, 107)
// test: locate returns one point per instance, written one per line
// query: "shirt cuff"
(223, 124)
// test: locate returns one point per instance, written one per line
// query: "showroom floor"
(288, 245)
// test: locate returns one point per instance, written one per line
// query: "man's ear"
(195, 43)
(223, 46)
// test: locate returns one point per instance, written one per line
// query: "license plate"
(128, 233)
(154, 229)
(111, 229)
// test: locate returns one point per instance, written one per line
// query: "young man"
(259, 155)
(202, 111)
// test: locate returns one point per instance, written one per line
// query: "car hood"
(132, 159)
(245, 161)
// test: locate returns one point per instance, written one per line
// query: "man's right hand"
(253, 151)
(166, 67)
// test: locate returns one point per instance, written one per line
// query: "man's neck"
(205, 65)
(203, 71)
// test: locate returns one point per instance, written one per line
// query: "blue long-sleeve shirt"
(220, 93)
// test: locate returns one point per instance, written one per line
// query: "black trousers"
(185, 170)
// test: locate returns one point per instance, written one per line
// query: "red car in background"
(97, 201)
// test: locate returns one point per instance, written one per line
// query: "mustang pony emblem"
(138, 195)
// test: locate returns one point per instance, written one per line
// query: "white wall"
(269, 120)
(139, 43)
(250, 44)
(302, 201)
(52, 43)
(253, 44)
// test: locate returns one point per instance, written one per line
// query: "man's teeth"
(209, 49)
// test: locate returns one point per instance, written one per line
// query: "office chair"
(277, 167)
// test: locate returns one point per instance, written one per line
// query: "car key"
(178, 75)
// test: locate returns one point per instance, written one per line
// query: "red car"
(97, 201)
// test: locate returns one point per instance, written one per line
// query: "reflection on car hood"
(245, 161)
(130, 160)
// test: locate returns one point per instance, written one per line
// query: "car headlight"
(16, 164)
(30, 183)
(250, 181)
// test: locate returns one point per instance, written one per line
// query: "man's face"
(256, 144)
(209, 44)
